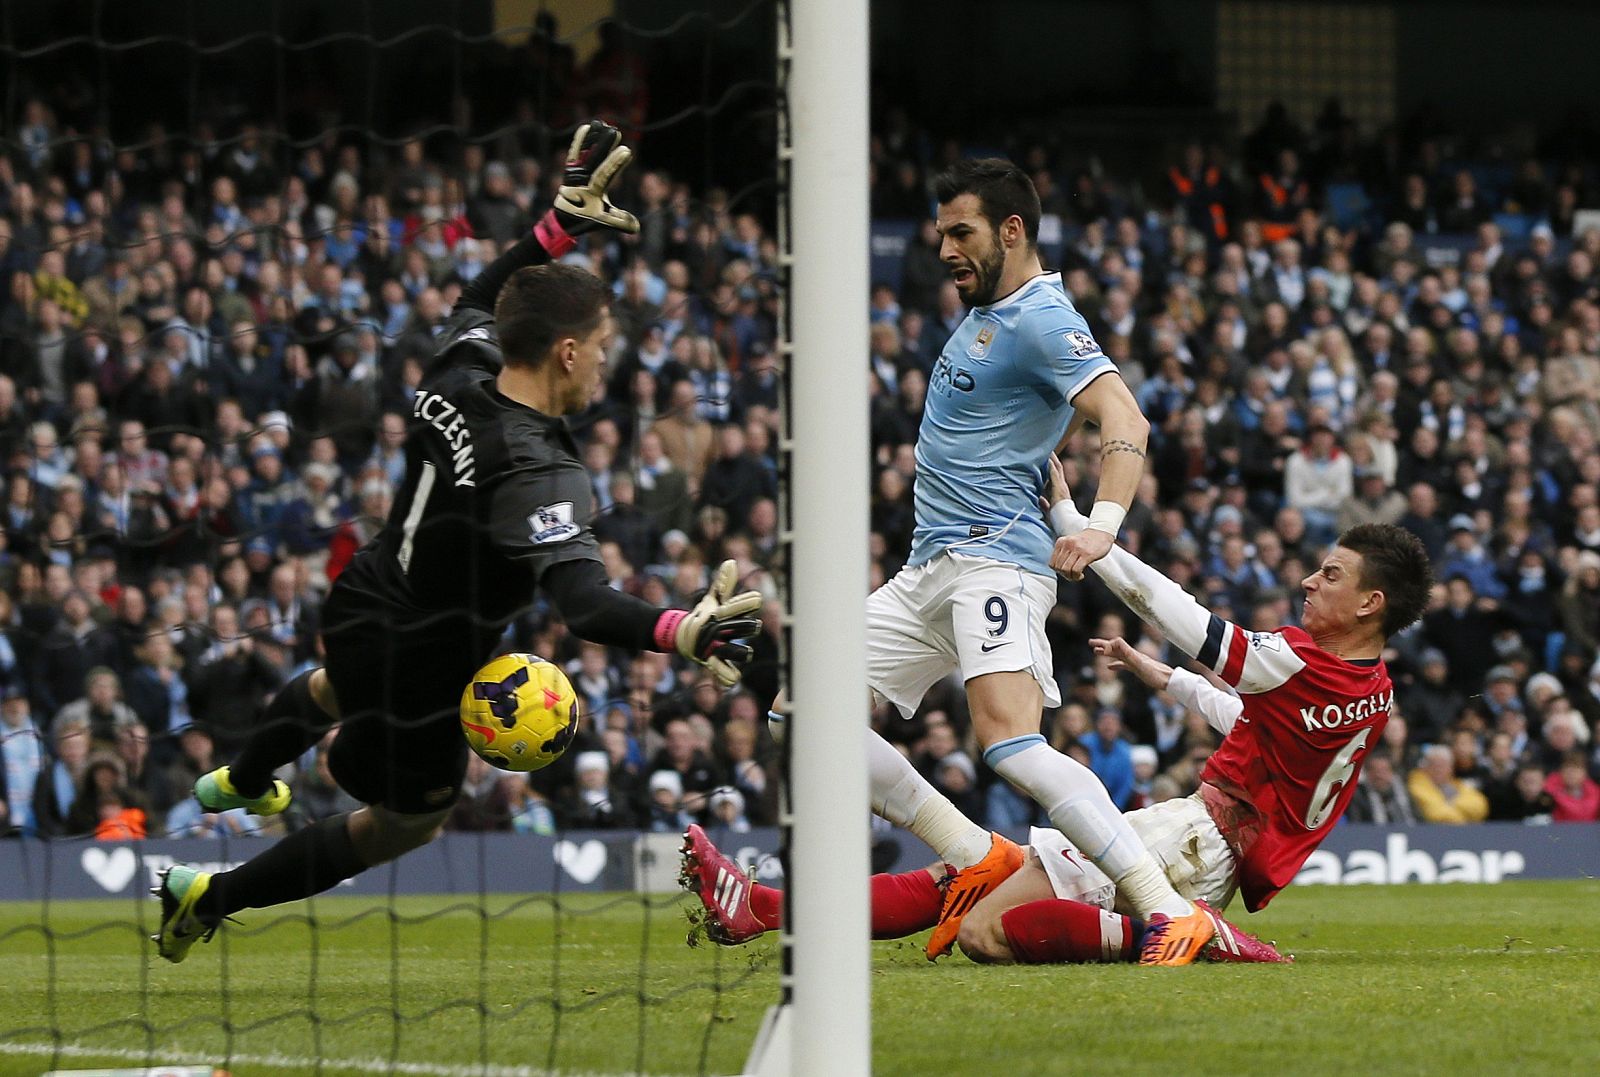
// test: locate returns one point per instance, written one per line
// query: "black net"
(231, 237)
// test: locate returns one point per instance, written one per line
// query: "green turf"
(1423, 979)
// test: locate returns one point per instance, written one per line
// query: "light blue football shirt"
(999, 401)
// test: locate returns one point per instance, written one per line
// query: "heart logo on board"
(112, 870)
(583, 862)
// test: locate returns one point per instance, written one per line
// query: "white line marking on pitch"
(350, 1065)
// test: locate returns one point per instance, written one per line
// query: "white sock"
(1148, 890)
(1079, 806)
(904, 797)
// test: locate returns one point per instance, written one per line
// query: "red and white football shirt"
(1288, 768)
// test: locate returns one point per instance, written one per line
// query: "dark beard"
(986, 278)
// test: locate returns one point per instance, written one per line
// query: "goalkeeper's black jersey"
(495, 494)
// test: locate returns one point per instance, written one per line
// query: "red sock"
(767, 904)
(904, 904)
(901, 904)
(1053, 931)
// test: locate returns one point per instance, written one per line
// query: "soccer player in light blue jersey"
(1019, 375)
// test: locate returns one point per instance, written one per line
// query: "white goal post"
(823, 1027)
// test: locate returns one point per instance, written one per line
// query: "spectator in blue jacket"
(1111, 757)
(22, 760)
(1465, 556)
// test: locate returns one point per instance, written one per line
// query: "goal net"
(230, 236)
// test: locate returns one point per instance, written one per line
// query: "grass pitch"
(1419, 979)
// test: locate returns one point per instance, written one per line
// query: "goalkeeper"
(495, 503)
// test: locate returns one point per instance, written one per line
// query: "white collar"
(1021, 291)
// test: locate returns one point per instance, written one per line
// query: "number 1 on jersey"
(419, 503)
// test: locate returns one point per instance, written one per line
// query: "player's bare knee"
(981, 937)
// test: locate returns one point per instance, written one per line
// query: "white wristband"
(1107, 516)
(1066, 519)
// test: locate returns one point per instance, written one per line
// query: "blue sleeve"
(1067, 356)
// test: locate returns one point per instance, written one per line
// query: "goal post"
(822, 1026)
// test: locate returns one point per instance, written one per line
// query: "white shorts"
(1179, 834)
(957, 612)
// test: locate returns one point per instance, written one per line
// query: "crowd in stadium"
(208, 356)
(208, 352)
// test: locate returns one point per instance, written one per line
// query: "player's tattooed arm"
(1116, 445)
(1124, 432)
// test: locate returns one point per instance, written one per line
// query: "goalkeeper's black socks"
(292, 724)
(306, 862)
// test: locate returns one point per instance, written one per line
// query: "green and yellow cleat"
(215, 792)
(180, 889)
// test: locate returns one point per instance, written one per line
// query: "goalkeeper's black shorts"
(400, 742)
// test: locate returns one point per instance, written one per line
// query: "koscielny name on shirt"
(1333, 716)
(446, 418)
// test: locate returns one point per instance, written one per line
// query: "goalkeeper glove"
(713, 634)
(594, 160)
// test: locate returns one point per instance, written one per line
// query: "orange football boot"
(1177, 940)
(965, 888)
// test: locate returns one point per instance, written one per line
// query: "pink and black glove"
(715, 632)
(594, 160)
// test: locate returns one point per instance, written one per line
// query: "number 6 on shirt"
(1333, 781)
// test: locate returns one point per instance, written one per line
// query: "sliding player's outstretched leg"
(298, 717)
(1049, 931)
(1182, 941)
(1034, 919)
(738, 909)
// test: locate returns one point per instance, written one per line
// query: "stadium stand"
(207, 351)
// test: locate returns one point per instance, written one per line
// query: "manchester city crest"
(981, 342)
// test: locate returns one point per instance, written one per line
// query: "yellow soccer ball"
(519, 713)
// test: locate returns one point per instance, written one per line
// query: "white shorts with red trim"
(1180, 834)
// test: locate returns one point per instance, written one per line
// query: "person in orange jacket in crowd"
(1280, 196)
